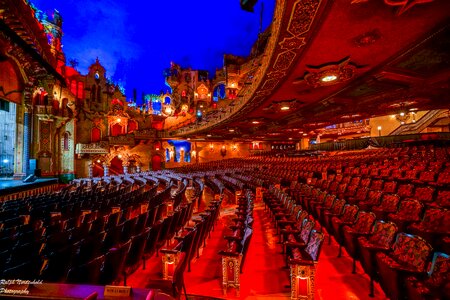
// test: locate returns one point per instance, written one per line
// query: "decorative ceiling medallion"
(329, 74)
(283, 106)
(367, 39)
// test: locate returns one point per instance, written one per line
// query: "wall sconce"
(379, 130)
(223, 150)
(211, 147)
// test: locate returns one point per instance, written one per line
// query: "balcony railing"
(92, 148)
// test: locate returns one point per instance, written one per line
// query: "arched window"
(219, 92)
(66, 141)
(116, 129)
(96, 135)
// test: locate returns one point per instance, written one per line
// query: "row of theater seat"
(107, 244)
(238, 240)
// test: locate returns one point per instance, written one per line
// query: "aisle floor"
(264, 275)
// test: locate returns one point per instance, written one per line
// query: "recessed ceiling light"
(285, 107)
(255, 122)
(208, 135)
(329, 78)
(305, 134)
(231, 130)
(290, 138)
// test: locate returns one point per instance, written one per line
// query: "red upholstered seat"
(409, 211)
(380, 240)
(410, 255)
(434, 286)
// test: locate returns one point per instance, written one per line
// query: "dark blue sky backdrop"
(137, 40)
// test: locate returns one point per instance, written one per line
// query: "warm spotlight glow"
(118, 120)
(98, 160)
(231, 130)
(379, 127)
(255, 122)
(285, 107)
(329, 78)
(305, 134)
(119, 156)
(290, 138)
(208, 135)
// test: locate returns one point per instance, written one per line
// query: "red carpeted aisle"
(263, 274)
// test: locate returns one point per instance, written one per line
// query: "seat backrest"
(433, 218)
(411, 208)
(364, 222)
(424, 194)
(439, 270)
(307, 227)
(405, 190)
(412, 250)
(349, 214)
(389, 202)
(328, 203)
(338, 205)
(374, 197)
(390, 186)
(383, 234)
(314, 245)
(376, 184)
(443, 198)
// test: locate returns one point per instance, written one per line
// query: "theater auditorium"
(314, 167)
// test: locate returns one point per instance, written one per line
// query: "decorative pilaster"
(90, 169)
(105, 170)
(26, 140)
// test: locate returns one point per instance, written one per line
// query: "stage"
(10, 186)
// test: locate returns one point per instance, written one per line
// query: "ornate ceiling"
(329, 62)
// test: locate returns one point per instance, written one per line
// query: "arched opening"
(116, 129)
(156, 162)
(116, 166)
(96, 135)
(11, 83)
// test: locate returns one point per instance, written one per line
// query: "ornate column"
(90, 169)
(105, 170)
(27, 131)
